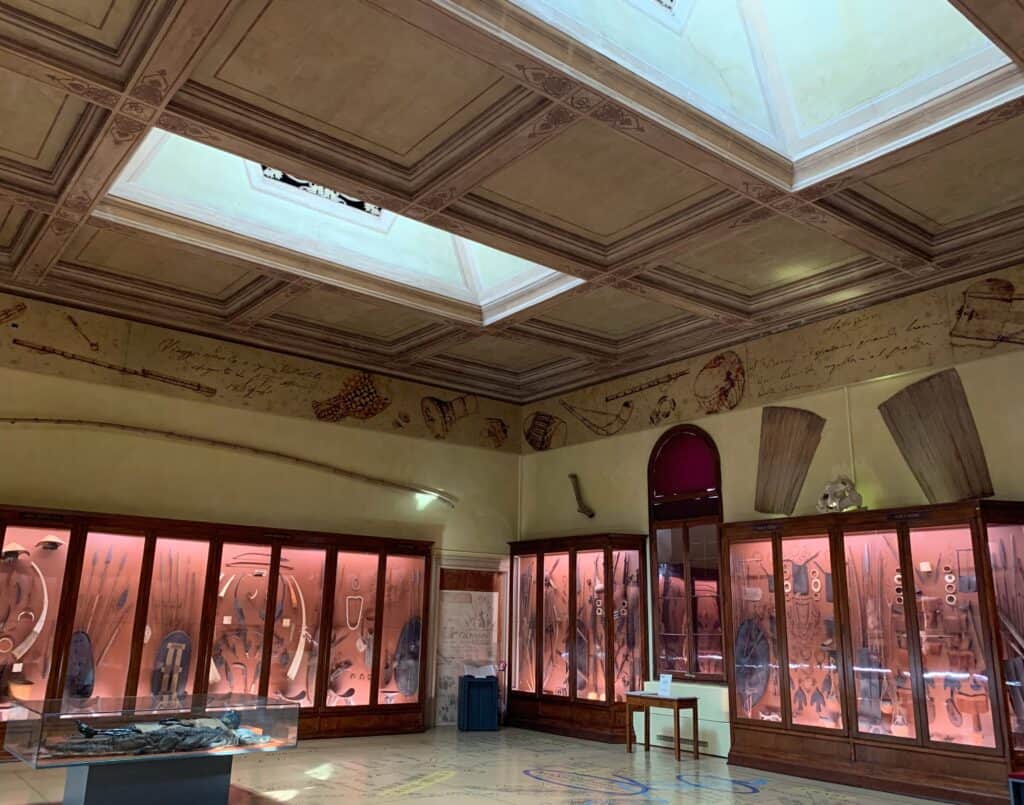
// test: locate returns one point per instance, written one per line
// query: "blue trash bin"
(478, 703)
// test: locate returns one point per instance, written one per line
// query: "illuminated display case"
(126, 730)
(96, 608)
(882, 646)
(579, 633)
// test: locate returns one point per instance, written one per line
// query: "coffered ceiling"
(671, 233)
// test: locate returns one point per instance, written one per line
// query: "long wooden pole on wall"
(139, 430)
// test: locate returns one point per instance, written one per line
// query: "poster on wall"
(468, 636)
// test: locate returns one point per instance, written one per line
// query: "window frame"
(711, 501)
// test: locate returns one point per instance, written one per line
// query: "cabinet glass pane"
(706, 607)
(878, 634)
(355, 599)
(524, 618)
(168, 668)
(591, 626)
(812, 646)
(555, 657)
(297, 613)
(31, 578)
(956, 677)
(401, 630)
(238, 631)
(673, 601)
(101, 643)
(1006, 546)
(627, 614)
(755, 643)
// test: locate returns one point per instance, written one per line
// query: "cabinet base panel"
(880, 778)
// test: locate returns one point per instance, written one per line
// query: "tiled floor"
(514, 766)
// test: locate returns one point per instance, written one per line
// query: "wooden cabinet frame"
(918, 765)
(318, 720)
(569, 715)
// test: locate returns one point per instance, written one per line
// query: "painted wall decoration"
(51, 339)
(937, 328)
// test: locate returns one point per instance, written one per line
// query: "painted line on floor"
(414, 786)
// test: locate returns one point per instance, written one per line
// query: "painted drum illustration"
(543, 431)
(720, 384)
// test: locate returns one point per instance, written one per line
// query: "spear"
(99, 589)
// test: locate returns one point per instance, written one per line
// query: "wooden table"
(641, 700)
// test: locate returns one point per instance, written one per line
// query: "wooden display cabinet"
(578, 636)
(880, 649)
(163, 609)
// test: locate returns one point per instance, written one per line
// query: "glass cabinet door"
(706, 607)
(627, 615)
(238, 632)
(100, 648)
(952, 650)
(812, 645)
(524, 620)
(755, 640)
(297, 612)
(591, 626)
(879, 635)
(1006, 547)
(673, 602)
(31, 580)
(401, 630)
(173, 617)
(555, 647)
(355, 601)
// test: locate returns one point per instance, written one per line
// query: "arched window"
(684, 487)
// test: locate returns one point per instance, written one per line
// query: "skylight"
(794, 75)
(354, 244)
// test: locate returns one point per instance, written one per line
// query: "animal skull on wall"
(840, 495)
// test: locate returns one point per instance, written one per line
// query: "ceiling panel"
(338, 310)
(158, 260)
(598, 182)
(973, 177)
(504, 353)
(11, 219)
(608, 313)
(104, 22)
(776, 252)
(351, 71)
(36, 121)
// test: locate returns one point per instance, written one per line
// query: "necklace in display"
(348, 611)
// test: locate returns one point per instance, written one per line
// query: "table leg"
(647, 729)
(675, 733)
(696, 734)
(629, 729)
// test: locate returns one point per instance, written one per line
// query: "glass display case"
(524, 618)
(131, 730)
(32, 562)
(94, 608)
(236, 659)
(401, 631)
(173, 620)
(350, 671)
(100, 647)
(898, 629)
(297, 616)
(588, 596)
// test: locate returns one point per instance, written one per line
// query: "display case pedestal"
(167, 781)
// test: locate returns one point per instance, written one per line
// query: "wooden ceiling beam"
(1002, 21)
(171, 55)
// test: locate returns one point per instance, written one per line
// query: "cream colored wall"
(855, 441)
(123, 473)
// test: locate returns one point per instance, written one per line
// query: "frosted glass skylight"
(347, 237)
(794, 75)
